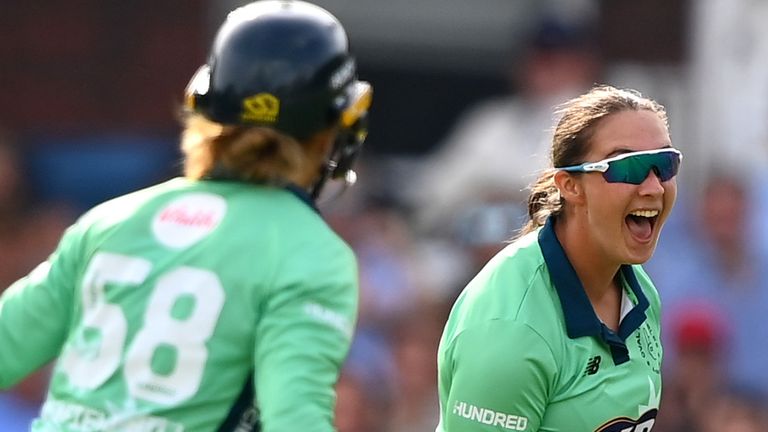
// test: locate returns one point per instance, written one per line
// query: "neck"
(596, 273)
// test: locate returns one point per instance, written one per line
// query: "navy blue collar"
(303, 195)
(219, 173)
(580, 317)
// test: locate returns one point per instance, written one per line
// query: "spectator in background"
(728, 86)
(366, 389)
(694, 383)
(697, 395)
(29, 231)
(359, 405)
(736, 410)
(716, 259)
(483, 230)
(415, 348)
(497, 147)
(388, 382)
(382, 243)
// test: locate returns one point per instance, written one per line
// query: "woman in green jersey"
(560, 331)
(219, 301)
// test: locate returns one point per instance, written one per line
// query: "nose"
(651, 185)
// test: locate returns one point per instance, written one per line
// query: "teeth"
(645, 213)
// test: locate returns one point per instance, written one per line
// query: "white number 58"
(98, 352)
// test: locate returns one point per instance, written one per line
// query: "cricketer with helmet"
(219, 300)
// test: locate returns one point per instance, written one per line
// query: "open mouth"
(641, 223)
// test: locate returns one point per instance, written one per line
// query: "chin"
(639, 256)
(633, 261)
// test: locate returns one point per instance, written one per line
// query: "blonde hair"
(579, 117)
(248, 153)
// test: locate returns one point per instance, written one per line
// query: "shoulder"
(510, 280)
(513, 287)
(648, 287)
(502, 339)
(102, 217)
(304, 247)
(500, 354)
(124, 206)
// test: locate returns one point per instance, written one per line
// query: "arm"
(302, 340)
(34, 316)
(495, 377)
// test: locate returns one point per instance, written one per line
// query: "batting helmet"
(284, 64)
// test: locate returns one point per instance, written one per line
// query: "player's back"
(171, 290)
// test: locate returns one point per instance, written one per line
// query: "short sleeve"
(35, 313)
(497, 376)
(303, 338)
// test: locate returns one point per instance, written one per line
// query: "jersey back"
(182, 295)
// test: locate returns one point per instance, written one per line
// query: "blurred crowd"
(422, 227)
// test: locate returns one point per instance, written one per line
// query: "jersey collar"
(219, 172)
(580, 317)
(303, 195)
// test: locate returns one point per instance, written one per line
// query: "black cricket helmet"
(285, 64)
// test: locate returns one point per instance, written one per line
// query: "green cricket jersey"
(524, 351)
(187, 306)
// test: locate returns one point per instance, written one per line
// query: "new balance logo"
(593, 365)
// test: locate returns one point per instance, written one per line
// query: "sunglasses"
(633, 168)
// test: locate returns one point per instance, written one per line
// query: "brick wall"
(81, 65)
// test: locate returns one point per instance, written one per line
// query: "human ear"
(570, 187)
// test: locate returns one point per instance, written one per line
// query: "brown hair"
(579, 117)
(248, 153)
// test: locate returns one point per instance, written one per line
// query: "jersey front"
(524, 351)
(176, 307)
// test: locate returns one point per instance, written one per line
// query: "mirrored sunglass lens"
(635, 169)
(669, 166)
(626, 170)
(666, 164)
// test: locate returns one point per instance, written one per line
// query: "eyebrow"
(622, 150)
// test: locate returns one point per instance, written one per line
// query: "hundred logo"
(490, 417)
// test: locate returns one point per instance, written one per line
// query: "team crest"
(649, 346)
(261, 108)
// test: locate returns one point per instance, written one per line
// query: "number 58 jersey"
(187, 306)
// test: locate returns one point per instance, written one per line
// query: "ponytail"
(543, 201)
(249, 153)
(571, 141)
